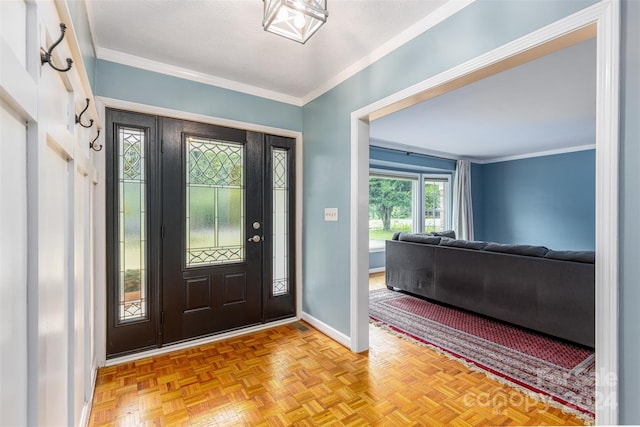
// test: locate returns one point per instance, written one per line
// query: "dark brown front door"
(212, 229)
(200, 230)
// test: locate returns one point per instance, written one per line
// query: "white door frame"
(100, 239)
(606, 17)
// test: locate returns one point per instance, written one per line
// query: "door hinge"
(162, 317)
(162, 232)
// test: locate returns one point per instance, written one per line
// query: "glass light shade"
(294, 19)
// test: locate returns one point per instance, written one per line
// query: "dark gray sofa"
(548, 291)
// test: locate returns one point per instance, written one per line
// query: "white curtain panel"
(462, 207)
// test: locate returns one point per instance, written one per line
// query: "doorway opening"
(601, 21)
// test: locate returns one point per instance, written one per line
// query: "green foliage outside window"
(389, 198)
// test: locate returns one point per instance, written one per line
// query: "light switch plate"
(330, 214)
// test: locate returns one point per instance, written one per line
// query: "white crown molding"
(184, 73)
(537, 154)
(380, 143)
(439, 15)
(391, 145)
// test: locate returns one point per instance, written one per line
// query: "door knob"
(255, 239)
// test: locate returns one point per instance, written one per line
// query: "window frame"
(418, 195)
(415, 194)
(448, 197)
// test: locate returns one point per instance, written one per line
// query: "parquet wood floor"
(288, 376)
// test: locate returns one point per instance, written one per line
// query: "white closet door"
(13, 269)
(13, 212)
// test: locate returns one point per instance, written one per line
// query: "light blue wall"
(409, 162)
(548, 201)
(630, 214)
(136, 85)
(479, 28)
(376, 259)
(78, 12)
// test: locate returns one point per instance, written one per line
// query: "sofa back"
(554, 296)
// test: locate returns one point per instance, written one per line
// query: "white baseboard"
(86, 409)
(376, 270)
(327, 330)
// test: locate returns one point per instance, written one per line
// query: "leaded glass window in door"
(214, 202)
(132, 217)
(280, 218)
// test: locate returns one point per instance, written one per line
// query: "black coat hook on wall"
(92, 144)
(45, 55)
(79, 117)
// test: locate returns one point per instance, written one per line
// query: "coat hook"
(92, 143)
(45, 56)
(79, 117)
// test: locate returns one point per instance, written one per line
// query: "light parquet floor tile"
(284, 376)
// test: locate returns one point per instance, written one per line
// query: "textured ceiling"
(225, 39)
(545, 105)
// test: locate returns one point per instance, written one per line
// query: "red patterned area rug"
(552, 369)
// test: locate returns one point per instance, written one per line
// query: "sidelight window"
(132, 217)
(280, 221)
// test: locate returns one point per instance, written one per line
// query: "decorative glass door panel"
(211, 197)
(280, 296)
(132, 283)
(131, 213)
(280, 218)
(215, 220)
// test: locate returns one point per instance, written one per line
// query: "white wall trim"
(86, 409)
(606, 14)
(185, 73)
(332, 333)
(439, 15)
(538, 154)
(377, 269)
(202, 118)
(607, 215)
(383, 144)
(102, 103)
(442, 13)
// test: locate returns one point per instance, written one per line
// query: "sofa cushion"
(395, 235)
(577, 256)
(527, 250)
(446, 233)
(419, 238)
(466, 244)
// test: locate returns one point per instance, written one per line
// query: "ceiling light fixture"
(294, 19)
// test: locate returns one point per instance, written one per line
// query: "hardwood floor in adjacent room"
(377, 281)
(295, 375)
